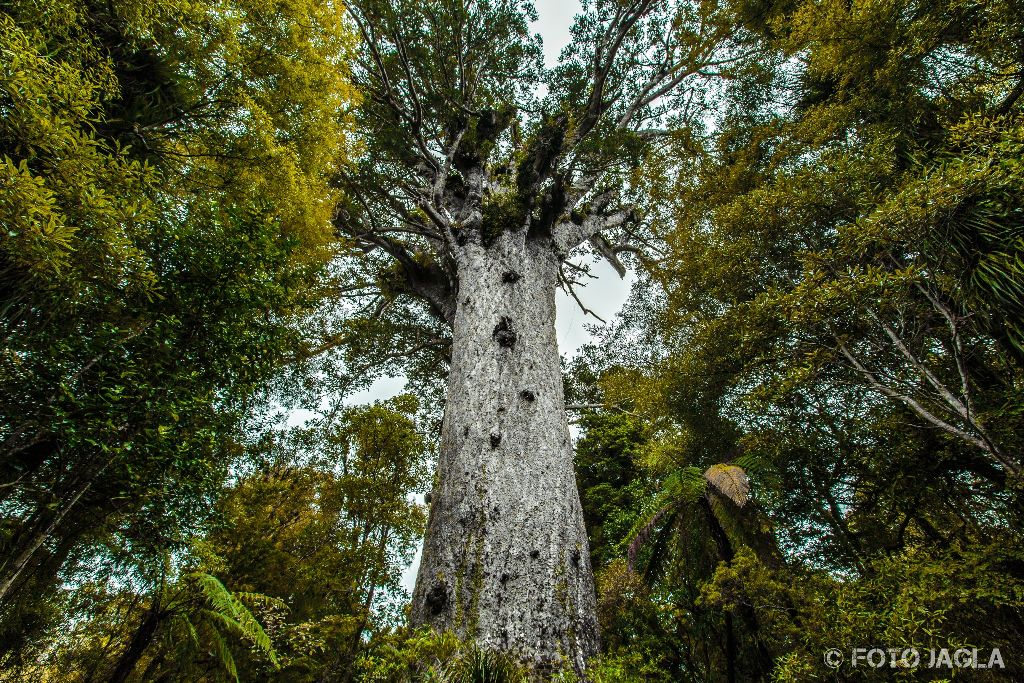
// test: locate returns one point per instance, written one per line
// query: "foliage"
(329, 538)
(193, 616)
(165, 197)
(827, 322)
(923, 599)
(312, 540)
(425, 655)
(612, 487)
(806, 430)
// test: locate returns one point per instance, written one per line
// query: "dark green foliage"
(838, 257)
(407, 656)
(164, 225)
(832, 306)
(613, 486)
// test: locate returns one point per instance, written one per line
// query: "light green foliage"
(228, 610)
(165, 204)
(63, 190)
(631, 667)
(424, 656)
(324, 526)
(312, 540)
(838, 255)
(192, 617)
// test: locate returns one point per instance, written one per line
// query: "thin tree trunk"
(141, 640)
(505, 560)
(730, 650)
(20, 562)
(357, 637)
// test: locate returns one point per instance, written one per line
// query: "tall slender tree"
(471, 197)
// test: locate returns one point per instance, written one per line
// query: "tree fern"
(730, 481)
(685, 487)
(227, 610)
(682, 486)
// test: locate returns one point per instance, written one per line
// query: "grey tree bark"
(505, 560)
(472, 202)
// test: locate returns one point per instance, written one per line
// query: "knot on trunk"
(510, 276)
(527, 395)
(504, 334)
(437, 599)
(495, 440)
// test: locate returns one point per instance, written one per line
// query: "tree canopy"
(803, 431)
(165, 196)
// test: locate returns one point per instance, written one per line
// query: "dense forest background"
(804, 432)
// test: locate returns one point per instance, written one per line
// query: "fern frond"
(682, 486)
(645, 531)
(246, 629)
(251, 629)
(730, 481)
(261, 600)
(215, 593)
(191, 629)
(752, 463)
(227, 609)
(687, 483)
(224, 653)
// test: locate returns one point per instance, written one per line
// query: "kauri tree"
(471, 196)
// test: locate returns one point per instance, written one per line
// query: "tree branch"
(570, 234)
(923, 412)
(941, 388)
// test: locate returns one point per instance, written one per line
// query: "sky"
(554, 21)
(604, 295)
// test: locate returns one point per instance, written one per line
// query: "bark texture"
(505, 560)
(472, 195)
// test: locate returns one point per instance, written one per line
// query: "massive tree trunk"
(471, 191)
(505, 561)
